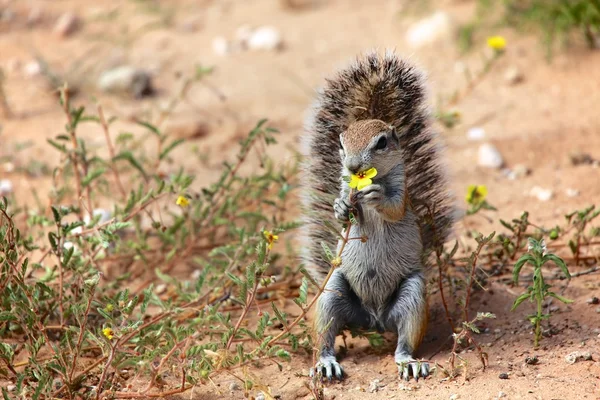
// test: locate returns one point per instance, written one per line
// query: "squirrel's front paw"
(328, 367)
(372, 195)
(408, 366)
(342, 208)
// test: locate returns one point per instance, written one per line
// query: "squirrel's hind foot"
(410, 367)
(328, 367)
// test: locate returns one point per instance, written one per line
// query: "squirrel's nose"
(353, 167)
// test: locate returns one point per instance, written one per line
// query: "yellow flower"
(109, 333)
(476, 194)
(182, 201)
(270, 239)
(336, 262)
(362, 179)
(497, 43)
(109, 307)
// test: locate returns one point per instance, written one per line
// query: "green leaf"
(89, 178)
(150, 127)
(519, 300)
(128, 156)
(559, 297)
(170, 147)
(520, 262)
(559, 262)
(328, 252)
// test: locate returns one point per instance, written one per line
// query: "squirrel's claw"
(413, 368)
(328, 367)
(341, 209)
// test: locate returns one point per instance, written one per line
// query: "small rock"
(234, 386)
(243, 35)
(11, 388)
(593, 300)
(35, 16)
(128, 79)
(194, 129)
(513, 75)
(221, 46)
(8, 167)
(265, 38)
(476, 133)
(518, 171)
(501, 394)
(532, 360)
(6, 187)
(32, 68)
(598, 310)
(582, 159)
(572, 358)
(160, 288)
(429, 30)
(454, 397)
(260, 396)
(541, 193)
(554, 308)
(67, 24)
(572, 192)
(488, 156)
(586, 356)
(503, 375)
(196, 274)
(374, 386)
(497, 330)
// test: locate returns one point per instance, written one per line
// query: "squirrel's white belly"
(391, 250)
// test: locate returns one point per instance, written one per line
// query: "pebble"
(35, 16)
(8, 167)
(598, 310)
(243, 35)
(517, 172)
(503, 375)
(476, 133)
(541, 193)
(221, 46)
(454, 397)
(501, 394)
(11, 388)
(429, 30)
(234, 386)
(196, 274)
(374, 386)
(572, 358)
(532, 360)
(161, 288)
(572, 192)
(265, 38)
(6, 187)
(260, 396)
(32, 68)
(513, 75)
(593, 300)
(67, 24)
(128, 79)
(488, 156)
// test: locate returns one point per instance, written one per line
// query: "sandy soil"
(539, 123)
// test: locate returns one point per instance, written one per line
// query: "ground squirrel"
(373, 115)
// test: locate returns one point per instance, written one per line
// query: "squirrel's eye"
(381, 143)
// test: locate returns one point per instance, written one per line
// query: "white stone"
(221, 46)
(11, 388)
(6, 187)
(488, 156)
(243, 34)
(265, 38)
(8, 167)
(454, 397)
(429, 30)
(476, 133)
(541, 194)
(570, 192)
(513, 75)
(67, 24)
(160, 288)
(501, 394)
(127, 79)
(33, 68)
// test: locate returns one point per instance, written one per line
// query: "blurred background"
(525, 123)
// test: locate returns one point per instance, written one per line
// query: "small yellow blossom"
(109, 307)
(476, 194)
(336, 262)
(109, 333)
(182, 201)
(270, 239)
(497, 43)
(362, 179)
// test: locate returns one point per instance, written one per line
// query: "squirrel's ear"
(395, 134)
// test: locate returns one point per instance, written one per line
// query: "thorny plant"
(539, 291)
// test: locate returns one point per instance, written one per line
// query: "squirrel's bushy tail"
(374, 87)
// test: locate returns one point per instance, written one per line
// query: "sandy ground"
(539, 123)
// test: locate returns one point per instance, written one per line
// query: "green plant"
(537, 257)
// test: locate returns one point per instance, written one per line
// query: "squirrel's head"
(370, 144)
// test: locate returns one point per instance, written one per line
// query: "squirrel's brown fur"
(389, 89)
